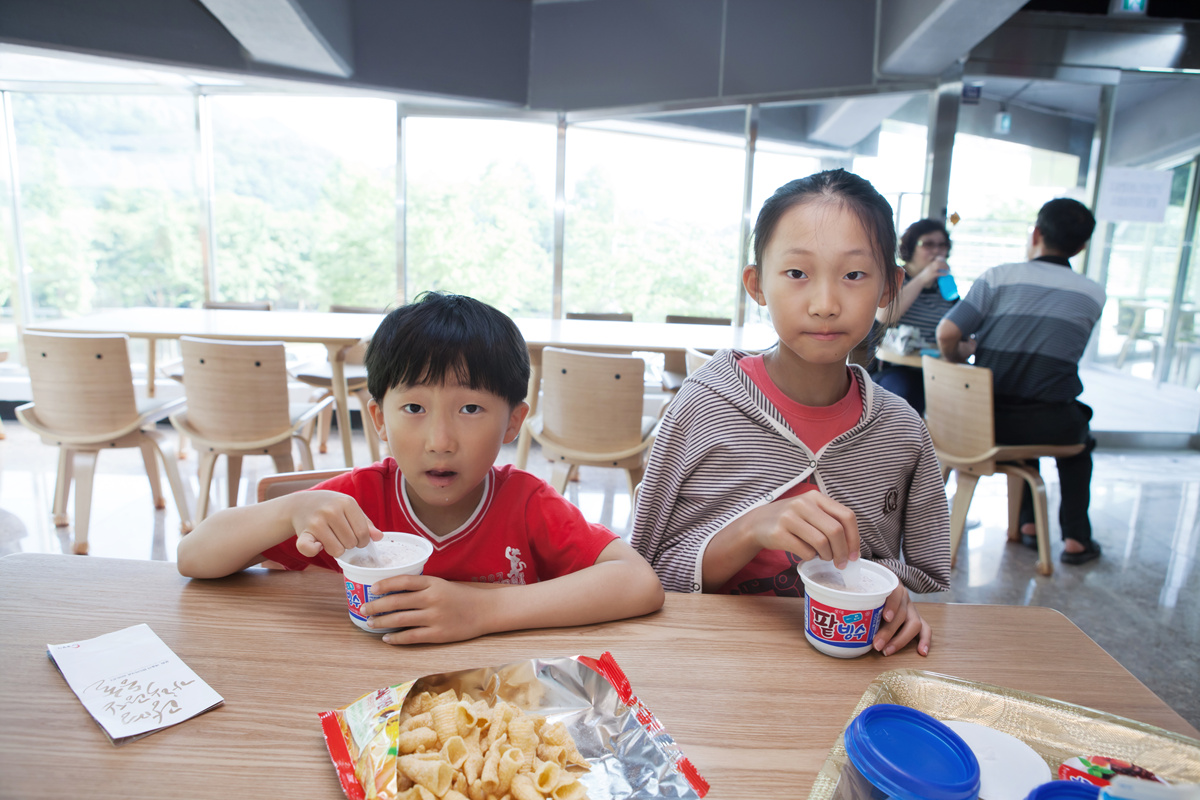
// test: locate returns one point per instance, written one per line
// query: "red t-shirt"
(773, 572)
(522, 531)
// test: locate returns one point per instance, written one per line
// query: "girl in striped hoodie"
(763, 461)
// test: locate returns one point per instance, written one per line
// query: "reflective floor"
(1140, 602)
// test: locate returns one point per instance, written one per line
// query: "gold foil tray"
(1055, 730)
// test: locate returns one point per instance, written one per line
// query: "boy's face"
(445, 437)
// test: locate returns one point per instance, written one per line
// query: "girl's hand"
(431, 609)
(811, 525)
(329, 521)
(901, 622)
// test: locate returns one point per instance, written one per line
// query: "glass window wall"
(652, 225)
(305, 200)
(480, 211)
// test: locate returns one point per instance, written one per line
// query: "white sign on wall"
(1133, 195)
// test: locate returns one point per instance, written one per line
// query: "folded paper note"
(131, 682)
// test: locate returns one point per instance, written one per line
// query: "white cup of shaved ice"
(394, 554)
(841, 620)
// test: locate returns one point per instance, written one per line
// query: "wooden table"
(903, 359)
(751, 704)
(337, 332)
(670, 339)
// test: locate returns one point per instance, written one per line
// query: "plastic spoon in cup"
(850, 573)
(372, 553)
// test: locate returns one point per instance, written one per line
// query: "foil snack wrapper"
(629, 752)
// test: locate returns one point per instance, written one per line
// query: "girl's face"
(821, 281)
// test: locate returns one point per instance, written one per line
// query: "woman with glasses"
(923, 250)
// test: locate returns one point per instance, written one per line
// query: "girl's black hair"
(848, 190)
(442, 336)
(913, 233)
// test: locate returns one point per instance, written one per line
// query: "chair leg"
(83, 499)
(233, 472)
(324, 425)
(171, 466)
(963, 493)
(150, 459)
(62, 487)
(1016, 485)
(283, 461)
(306, 458)
(182, 454)
(1041, 516)
(364, 397)
(559, 474)
(633, 477)
(208, 462)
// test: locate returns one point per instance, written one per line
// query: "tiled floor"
(1141, 601)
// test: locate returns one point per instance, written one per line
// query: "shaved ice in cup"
(395, 554)
(841, 620)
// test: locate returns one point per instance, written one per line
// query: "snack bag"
(362, 742)
(1100, 770)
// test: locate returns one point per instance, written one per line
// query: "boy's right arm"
(235, 538)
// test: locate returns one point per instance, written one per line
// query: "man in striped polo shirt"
(1030, 323)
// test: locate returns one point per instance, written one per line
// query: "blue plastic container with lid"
(908, 755)
(1064, 790)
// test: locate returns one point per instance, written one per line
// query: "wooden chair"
(694, 359)
(254, 305)
(281, 483)
(319, 374)
(237, 405)
(173, 368)
(686, 320)
(959, 415)
(591, 414)
(83, 401)
(618, 316)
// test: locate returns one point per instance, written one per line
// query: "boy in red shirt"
(448, 377)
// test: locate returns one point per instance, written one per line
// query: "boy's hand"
(329, 521)
(432, 610)
(901, 622)
(811, 525)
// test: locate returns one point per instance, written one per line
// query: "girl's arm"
(234, 538)
(618, 585)
(811, 525)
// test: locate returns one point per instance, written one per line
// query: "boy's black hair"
(913, 233)
(442, 336)
(1066, 225)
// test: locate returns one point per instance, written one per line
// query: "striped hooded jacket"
(723, 450)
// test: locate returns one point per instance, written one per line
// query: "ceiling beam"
(924, 37)
(308, 35)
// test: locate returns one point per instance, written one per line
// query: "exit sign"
(1127, 7)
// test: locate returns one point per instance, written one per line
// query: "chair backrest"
(256, 305)
(958, 407)
(591, 401)
(618, 316)
(82, 383)
(686, 320)
(356, 353)
(694, 359)
(281, 483)
(334, 308)
(236, 391)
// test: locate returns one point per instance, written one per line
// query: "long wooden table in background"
(732, 679)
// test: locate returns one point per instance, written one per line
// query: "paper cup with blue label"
(841, 620)
(395, 554)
